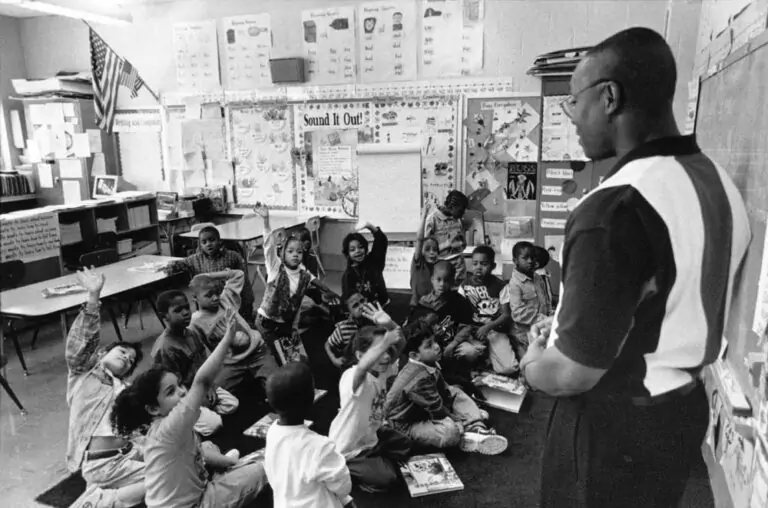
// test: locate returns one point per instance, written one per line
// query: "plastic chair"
(11, 275)
(313, 225)
(257, 256)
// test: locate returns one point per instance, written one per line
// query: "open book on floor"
(260, 428)
(501, 392)
(430, 474)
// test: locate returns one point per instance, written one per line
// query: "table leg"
(17, 346)
(245, 253)
(113, 318)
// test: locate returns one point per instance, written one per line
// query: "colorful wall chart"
(433, 124)
(329, 45)
(197, 55)
(387, 41)
(247, 49)
(261, 145)
(559, 139)
(326, 136)
(502, 139)
(450, 28)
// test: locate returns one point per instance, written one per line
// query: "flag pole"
(151, 92)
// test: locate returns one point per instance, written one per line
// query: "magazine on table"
(430, 474)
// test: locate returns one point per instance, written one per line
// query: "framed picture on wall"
(104, 186)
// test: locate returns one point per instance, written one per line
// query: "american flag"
(109, 72)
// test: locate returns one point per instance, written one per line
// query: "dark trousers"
(376, 469)
(603, 451)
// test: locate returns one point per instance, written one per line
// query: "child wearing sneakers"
(371, 449)
(421, 405)
(303, 467)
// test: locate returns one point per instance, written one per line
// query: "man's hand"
(92, 281)
(374, 313)
(535, 348)
(541, 328)
(469, 351)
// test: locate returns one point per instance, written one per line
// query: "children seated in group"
(542, 262)
(425, 255)
(365, 270)
(304, 468)
(183, 350)
(489, 297)
(216, 294)
(371, 449)
(162, 406)
(213, 256)
(528, 302)
(421, 405)
(344, 331)
(309, 260)
(112, 466)
(445, 225)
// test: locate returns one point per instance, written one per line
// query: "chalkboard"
(732, 128)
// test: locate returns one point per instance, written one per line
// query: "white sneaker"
(233, 454)
(485, 444)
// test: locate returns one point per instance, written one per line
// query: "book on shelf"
(430, 474)
(501, 392)
(260, 428)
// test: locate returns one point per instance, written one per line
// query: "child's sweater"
(368, 278)
(528, 303)
(285, 287)
(418, 393)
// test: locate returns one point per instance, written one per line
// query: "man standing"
(649, 263)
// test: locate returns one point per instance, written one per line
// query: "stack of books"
(558, 63)
(430, 474)
(75, 86)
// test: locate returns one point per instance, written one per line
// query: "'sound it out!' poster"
(521, 181)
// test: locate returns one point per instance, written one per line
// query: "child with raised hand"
(489, 296)
(212, 256)
(425, 254)
(183, 350)
(216, 294)
(528, 301)
(365, 270)
(161, 405)
(445, 225)
(421, 405)
(337, 344)
(372, 450)
(287, 283)
(304, 469)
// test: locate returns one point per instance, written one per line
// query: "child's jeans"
(121, 477)
(445, 433)
(236, 487)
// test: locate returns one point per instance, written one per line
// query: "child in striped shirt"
(338, 342)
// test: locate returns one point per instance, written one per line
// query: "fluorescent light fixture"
(59, 10)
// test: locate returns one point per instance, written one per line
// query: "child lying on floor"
(175, 458)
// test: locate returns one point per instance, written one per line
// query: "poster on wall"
(329, 45)
(521, 182)
(431, 123)
(387, 41)
(326, 139)
(261, 146)
(450, 28)
(197, 55)
(247, 49)
(559, 139)
(29, 236)
(499, 132)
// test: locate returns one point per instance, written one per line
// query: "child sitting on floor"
(344, 331)
(175, 459)
(371, 450)
(528, 302)
(365, 270)
(490, 298)
(211, 257)
(421, 405)
(425, 255)
(304, 469)
(309, 260)
(250, 358)
(182, 350)
(445, 225)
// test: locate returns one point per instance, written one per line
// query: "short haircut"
(447, 267)
(209, 229)
(135, 346)
(430, 239)
(643, 63)
(290, 389)
(166, 298)
(303, 234)
(202, 282)
(456, 198)
(349, 239)
(352, 295)
(416, 333)
(521, 247)
(487, 251)
(541, 255)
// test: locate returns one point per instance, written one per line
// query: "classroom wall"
(12, 66)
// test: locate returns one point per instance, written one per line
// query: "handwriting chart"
(247, 49)
(451, 28)
(197, 55)
(387, 41)
(329, 45)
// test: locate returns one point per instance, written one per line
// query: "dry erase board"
(732, 128)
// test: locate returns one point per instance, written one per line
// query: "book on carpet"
(501, 392)
(260, 428)
(290, 349)
(430, 474)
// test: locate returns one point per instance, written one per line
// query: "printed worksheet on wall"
(197, 55)
(247, 49)
(329, 45)
(559, 139)
(387, 41)
(451, 28)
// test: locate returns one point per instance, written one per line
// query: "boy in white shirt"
(303, 467)
(371, 450)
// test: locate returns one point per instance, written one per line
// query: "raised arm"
(206, 374)
(233, 286)
(271, 258)
(378, 254)
(83, 338)
(391, 339)
(421, 233)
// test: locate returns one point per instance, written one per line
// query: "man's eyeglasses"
(569, 103)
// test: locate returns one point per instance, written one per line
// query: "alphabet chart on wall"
(329, 45)
(247, 48)
(197, 55)
(388, 39)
